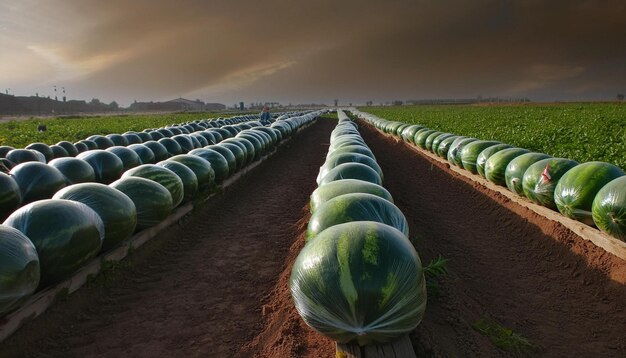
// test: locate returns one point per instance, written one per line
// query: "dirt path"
(198, 289)
(506, 263)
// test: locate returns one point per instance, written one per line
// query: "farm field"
(579, 131)
(217, 284)
(20, 133)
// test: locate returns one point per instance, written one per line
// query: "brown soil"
(217, 284)
(506, 263)
(199, 288)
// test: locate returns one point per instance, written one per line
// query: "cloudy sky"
(314, 51)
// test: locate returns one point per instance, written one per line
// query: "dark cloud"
(355, 50)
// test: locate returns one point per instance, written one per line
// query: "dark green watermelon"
(19, 156)
(118, 139)
(74, 170)
(240, 155)
(575, 191)
(69, 147)
(67, 234)
(609, 208)
(153, 202)
(361, 149)
(185, 142)
(340, 158)
(352, 171)
(244, 144)
(43, 149)
(161, 175)
(469, 153)
(485, 154)
(434, 147)
(101, 141)
(37, 180)
(106, 165)
(540, 179)
(171, 145)
(145, 154)
(495, 166)
(227, 154)
(359, 282)
(428, 144)
(129, 158)
(58, 151)
(258, 145)
(201, 168)
(345, 186)
(4, 150)
(10, 195)
(444, 145)
(91, 145)
(19, 269)
(408, 133)
(218, 163)
(514, 173)
(356, 207)
(116, 210)
(159, 151)
(454, 154)
(80, 147)
(186, 175)
(421, 136)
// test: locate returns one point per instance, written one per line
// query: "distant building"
(178, 104)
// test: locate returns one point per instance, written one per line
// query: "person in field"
(265, 114)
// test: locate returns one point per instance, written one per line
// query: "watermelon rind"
(609, 208)
(540, 179)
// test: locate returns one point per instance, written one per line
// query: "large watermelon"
(37, 180)
(256, 143)
(437, 140)
(421, 136)
(352, 171)
(514, 173)
(345, 186)
(445, 144)
(186, 175)
(185, 142)
(159, 151)
(227, 154)
(201, 168)
(454, 154)
(19, 269)
(101, 141)
(361, 149)
(495, 166)
(153, 202)
(145, 154)
(540, 179)
(67, 234)
(218, 163)
(4, 150)
(43, 149)
(469, 154)
(408, 133)
(69, 147)
(58, 151)
(609, 208)
(106, 165)
(10, 195)
(244, 144)
(116, 210)
(340, 158)
(238, 152)
(428, 144)
(485, 154)
(171, 145)
(575, 191)
(129, 157)
(356, 207)
(359, 282)
(161, 175)
(74, 170)
(118, 139)
(19, 156)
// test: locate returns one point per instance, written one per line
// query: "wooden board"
(401, 348)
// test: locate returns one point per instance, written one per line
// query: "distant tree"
(620, 97)
(95, 101)
(114, 106)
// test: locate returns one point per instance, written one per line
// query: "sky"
(293, 51)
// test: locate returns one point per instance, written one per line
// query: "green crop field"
(21, 133)
(583, 132)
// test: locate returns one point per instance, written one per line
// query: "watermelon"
(80, 147)
(575, 191)
(361, 149)
(202, 142)
(43, 149)
(514, 172)
(106, 165)
(159, 151)
(58, 151)
(201, 168)
(421, 136)
(4, 149)
(210, 138)
(227, 154)
(218, 163)
(469, 153)
(345, 140)
(19, 269)
(91, 145)
(144, 136)
(359, 282)
(258, 147)
(240, 155)
(356, 207)
(10, 195)
(69, 147)
(345, 186)
(185, 142)
(540, 179)
(609, 208)
(134, 138)
(156, 135)
(434, 147)
(161, 175)
(218, 137)
(428, 144)
(171, 145)
(495, 166)
(245, 145)
(145, 154)
(454, 154)
(485, 154)
(186, 175)
(153, 202)
(116, 210)
(37, 180)
(352, 171)
(444, 145)
(273, 133)
(129, 158)
(408, 133)
(19, 156)
(340, 158)
(74, 170)
(101, 141)
(118, 139)
(66, 234)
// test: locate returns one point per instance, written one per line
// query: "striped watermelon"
(74, 170)
(575, 191)
(161, 175)
(345, 186)
(469, 154)
(495, 166)
(445, 144)
(187, 177)
(454, 154)
(352, 171)
(152, 200)
(609, 208)
(540, 179)
(218, 163)
(340, 158)
(421, 136)
(37, 180)
(486, 154)
(106, 165)
(514, 173)
(201, 168)
(359, 282)
(428, 144)
(10, 195)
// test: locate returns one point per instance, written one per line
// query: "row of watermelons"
(68, 222)
(593, 192)
(358, 278)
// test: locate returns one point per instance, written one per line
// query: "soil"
(217, 283)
